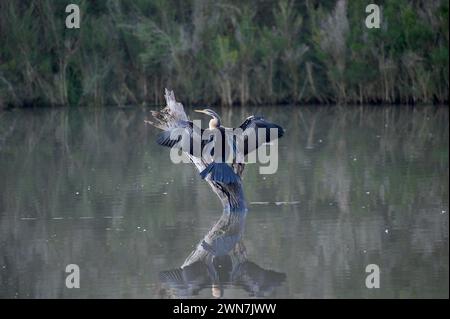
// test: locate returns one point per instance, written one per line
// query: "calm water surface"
(354, 186)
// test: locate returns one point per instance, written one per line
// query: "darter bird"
(231, 143)
(218, 152)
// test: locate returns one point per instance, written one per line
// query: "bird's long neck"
(214, 123)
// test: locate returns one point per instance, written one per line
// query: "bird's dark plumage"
(165, 140)
(220, 172)
(183, 135)
(250, 128)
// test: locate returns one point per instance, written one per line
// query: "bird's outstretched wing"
(183, 136)
(169, 138)
(257, 131)
(177, 130)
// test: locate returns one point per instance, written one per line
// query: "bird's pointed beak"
(199, 111)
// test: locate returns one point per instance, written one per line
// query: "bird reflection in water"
(220, 262)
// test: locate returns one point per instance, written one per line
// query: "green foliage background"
(223, 52)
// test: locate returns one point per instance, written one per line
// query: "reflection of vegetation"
(223, 52)
(356, 171)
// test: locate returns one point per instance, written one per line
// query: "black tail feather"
(220, 172)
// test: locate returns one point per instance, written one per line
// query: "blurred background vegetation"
(223, 52)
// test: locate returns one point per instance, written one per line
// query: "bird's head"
(215, 122)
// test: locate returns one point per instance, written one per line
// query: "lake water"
(355, 186)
